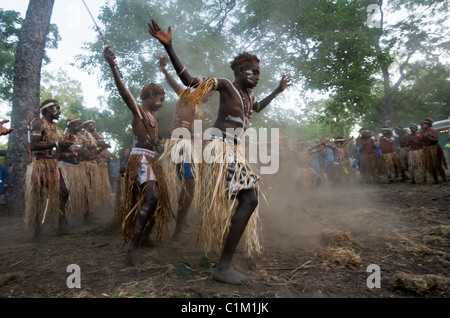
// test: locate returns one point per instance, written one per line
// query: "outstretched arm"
(172, 82)
(166, 40)
(284, 83)
(3, 130)
(123, 91)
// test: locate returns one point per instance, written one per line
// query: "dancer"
(222, 223)
(181, 175)
(147, 203)
(46, 194)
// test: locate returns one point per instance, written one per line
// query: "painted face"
(250, 74)
(90, 127)
(75, 127)
(54, 111)
(154, 102)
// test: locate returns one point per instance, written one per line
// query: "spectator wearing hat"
(389, 162)
(368, 164)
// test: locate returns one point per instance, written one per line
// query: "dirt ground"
(317, 243)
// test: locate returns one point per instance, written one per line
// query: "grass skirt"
(403, 158)
(99, 190)
(175, 149)
(390, 164)
(41, 175)
(433, 159)
(134, 196)
(215, 195)
(77, 183)
(368, 166)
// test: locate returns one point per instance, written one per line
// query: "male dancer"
(146, 201)
(237, 104)
(183, 121)
(46, 192)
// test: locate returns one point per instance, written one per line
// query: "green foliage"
(10, 22)
(426, 92)
(326, 45)
(10, 26)
(203, 52)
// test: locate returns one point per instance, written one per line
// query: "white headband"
(48, 105)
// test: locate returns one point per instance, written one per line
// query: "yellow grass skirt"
(134, 195)
(99, 190)
(170, 161)
(216, 196)
(433, 159)
(77, 183)
(41, 175)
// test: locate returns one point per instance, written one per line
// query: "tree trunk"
(26, 96)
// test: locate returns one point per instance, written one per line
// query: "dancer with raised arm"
(229, 189)
(146, 202)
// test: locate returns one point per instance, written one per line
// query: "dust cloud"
(295, 214)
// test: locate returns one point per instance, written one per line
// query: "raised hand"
(155, 31)
(4, 130)
(285, 82)
(109, 55)
(163, 62)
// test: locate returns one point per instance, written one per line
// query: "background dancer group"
(64, 175)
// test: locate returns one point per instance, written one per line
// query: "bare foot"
(135, 257)
(231, 276)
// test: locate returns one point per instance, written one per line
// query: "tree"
(335, 49)
(206, 51)
(10, 25)
(10, 22)
(26, 99)
(68, 92)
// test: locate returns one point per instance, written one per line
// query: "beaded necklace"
(150, 117)
(248, 106)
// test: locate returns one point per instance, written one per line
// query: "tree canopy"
(10, 26)
(374, 60)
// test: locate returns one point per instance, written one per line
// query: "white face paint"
(250, 76)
